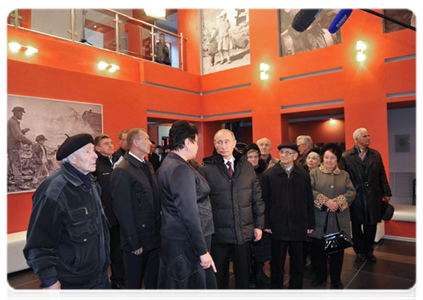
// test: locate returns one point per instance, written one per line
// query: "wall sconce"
(16, 47)
(110, 67)
(264, 68)
(361, 47)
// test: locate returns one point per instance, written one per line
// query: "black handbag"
(336, 241)
(386, 211)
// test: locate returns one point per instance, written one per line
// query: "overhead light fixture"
(16, 47)
(361, 47)
(157, 13)
(105, 66)
(264, 68)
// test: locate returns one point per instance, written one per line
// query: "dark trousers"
(241, 257)
(321, 261)
(101, 291)
(116, 257)
(296, 264)
(141, 267)
(363, 238)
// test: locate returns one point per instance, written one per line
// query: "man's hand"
(206, 261)
(53, 291)
(137, 252)
(310, 231)
(257, 234)
(387, 199)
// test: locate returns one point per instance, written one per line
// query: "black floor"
(395, 269)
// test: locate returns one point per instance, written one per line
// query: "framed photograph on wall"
(314, 37)
(403, 15)
(36, 127)
(225, 39)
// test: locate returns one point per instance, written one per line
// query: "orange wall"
(320, 131)
(68, 71)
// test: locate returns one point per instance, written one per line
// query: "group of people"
(181, 225)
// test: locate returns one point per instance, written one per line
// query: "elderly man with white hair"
(304, 144)
(368, 175)
(265, 146)
(68, 236)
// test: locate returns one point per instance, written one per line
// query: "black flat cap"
(252, 146)
(73, 143)
(288, 145)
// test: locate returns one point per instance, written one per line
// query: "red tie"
(231, 172)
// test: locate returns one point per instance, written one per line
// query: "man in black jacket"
(368, 175)
(136, 204)
(104, 149)
(68, 238)
(119, 153)
(288, 195)
(238, 209)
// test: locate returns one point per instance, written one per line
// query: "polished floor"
(395, 269)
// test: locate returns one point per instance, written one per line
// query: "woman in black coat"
(261, 249)
(187, 221)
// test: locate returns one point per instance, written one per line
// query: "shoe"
(337, 285)
(263, 277)
(371, 257)
(296, 295)
(117, 285)
(317, 281)
(361, 257)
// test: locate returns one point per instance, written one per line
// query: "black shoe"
(317, 281)
(117, 285)
(337, 285)
(371, 257)
(361, 257)
(263, 277)
(296, 295)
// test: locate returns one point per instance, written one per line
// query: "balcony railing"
(102, 28)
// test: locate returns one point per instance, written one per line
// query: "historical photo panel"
(36, 127)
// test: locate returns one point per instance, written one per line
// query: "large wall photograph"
(36, 127)
(225, 39)
(314, 37)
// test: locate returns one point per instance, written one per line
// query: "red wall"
(321, 131)
(68, 71)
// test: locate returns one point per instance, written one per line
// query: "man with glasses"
(289, 217)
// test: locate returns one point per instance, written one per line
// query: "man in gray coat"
(238, 208)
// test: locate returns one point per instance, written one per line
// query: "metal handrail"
(117, 14)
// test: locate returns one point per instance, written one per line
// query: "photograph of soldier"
(36, 127)
(225, 39)
(314, 37)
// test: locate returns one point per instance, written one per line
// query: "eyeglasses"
(287, 153)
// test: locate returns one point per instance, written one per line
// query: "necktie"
(231, 172)
(363, 154)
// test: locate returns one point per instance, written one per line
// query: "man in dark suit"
(104, 167)
(136, 205)
(153, 158)
(368, 175)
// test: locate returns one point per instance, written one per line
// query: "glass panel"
(56, 22)
(11, 18)
(134, 38)
(96, 28)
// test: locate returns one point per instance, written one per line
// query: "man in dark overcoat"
(237, 206)
(368, 175)
(68, 238)
(136, 204)
(288, 195)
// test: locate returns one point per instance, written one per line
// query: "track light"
(16, 47)
(361, 47)
(264, 68)
(105, 66)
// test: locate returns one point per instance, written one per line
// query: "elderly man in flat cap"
(288, 195)
(68, 237)
(16, 136)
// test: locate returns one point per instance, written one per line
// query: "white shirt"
(141, 160)
(232, 160)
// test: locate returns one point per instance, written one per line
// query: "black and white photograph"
(225, 39)
(36, 127)
(316, 36)
(403, 15)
